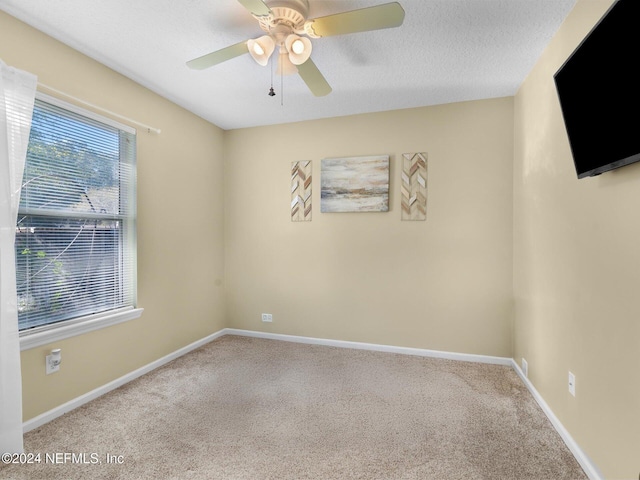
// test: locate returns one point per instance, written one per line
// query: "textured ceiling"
(446, 51)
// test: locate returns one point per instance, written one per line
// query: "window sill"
(38, 337)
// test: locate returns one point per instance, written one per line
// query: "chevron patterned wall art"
(414, 186)
(301, 191)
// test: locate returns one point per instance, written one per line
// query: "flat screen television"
(599, 91)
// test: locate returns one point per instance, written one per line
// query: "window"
(76, 229)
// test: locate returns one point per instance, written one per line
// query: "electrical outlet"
(572, 384)
(525, 367)
(52, 361)
(267, 317)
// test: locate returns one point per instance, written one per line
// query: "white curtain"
(17, 95)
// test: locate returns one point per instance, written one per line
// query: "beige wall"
(180, 253)
(443, 284)
(577, 270)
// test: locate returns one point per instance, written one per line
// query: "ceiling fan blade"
(314, 79)
(219, 56)
(256, 7)
(388, 15)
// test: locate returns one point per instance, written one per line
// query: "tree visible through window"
(75, 235)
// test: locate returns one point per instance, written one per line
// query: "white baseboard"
(590, 469)
(585, 462)
(87, 397)
(466, 357)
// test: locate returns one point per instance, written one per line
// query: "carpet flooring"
(247, 408)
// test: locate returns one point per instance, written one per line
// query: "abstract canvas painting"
(301, 191)
(413, 189)
(355, 184)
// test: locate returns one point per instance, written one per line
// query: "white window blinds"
(75, 235)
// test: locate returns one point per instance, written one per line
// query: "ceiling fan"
(287, 27)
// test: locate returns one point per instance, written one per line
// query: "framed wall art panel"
(301, 191)
(413, 188)
(355, 184)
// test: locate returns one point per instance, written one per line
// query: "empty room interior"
(512, 262)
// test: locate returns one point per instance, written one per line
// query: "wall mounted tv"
(599, 92)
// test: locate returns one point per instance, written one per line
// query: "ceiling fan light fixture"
(299, 48)
(257, 49)
(261, 49)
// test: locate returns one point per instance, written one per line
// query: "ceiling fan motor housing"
(288, 16)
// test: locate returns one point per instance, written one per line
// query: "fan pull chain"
(271, 92)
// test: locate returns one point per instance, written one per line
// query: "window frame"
(49, 333)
